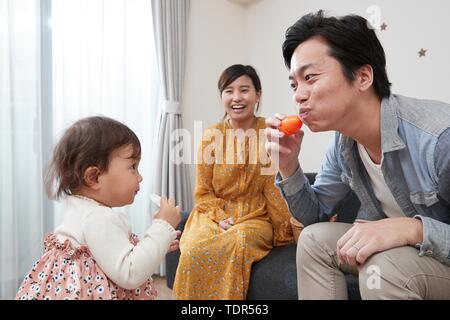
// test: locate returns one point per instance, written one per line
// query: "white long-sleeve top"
(106, 233)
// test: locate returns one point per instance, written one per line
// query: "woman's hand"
(226, 224)
(283, 150)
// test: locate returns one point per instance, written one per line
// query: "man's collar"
(390, 140)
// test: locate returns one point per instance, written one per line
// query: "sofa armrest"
(173, 257)
(184, 217)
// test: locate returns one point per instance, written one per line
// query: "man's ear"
(91, 177)
(365, 77)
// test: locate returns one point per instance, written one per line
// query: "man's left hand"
(369, 237)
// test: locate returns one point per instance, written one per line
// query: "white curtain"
(21, 214)
(104, 63)
(171, 177)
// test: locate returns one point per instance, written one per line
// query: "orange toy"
(290, 125)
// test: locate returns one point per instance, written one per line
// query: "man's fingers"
(341, 243)
(273, 134)
(365, 252)
(298, 136)
(350, 254)
(343, 240)
(275, 147)
(276, 121)
(273, 123)
(280, 116)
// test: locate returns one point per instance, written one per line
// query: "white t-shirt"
(106, 233)
(382, 192)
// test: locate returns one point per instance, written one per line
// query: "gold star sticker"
(422, 53)
(383, 26)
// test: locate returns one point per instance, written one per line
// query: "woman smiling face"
(239, 99)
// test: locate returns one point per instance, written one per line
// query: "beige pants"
(398, 273)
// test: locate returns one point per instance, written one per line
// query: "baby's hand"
(169, 212)
(175, 244)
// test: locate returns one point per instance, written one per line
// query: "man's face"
(322, 94)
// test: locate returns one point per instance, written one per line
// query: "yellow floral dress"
(231, 182)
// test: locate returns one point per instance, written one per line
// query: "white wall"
(222, 33)
(216, 39)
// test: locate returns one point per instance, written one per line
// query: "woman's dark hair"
(236, 71)
(89, 142)
(352, 42)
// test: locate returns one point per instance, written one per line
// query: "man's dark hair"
(351, 40)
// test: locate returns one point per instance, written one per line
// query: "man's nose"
(301, 95)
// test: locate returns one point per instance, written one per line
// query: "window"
(62, 60)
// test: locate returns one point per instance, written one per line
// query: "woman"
(239, 214)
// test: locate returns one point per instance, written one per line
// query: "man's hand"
(366, 238)
(283, 150)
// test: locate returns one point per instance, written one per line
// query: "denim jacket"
(415, 142)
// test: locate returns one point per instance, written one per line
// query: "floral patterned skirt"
(68, 273)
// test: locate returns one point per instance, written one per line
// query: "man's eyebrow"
(302, 69)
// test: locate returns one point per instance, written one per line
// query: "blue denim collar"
(390, 139)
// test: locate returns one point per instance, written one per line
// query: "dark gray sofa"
(275, 276)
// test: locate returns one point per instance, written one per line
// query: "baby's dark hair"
(89, 142)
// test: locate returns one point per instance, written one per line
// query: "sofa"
(275, 276)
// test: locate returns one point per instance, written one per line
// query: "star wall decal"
(383, 27)
(422, 52)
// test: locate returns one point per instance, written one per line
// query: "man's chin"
(312, 127)
(315, 128)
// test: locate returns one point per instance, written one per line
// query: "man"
(392, 151)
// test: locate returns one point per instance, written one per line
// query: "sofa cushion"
(275, 276)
